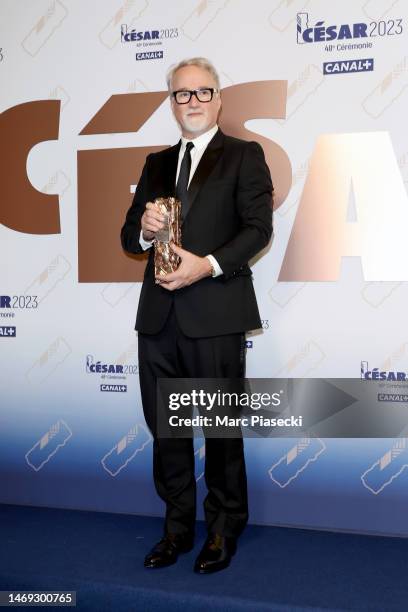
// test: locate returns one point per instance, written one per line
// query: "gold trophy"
(165, 259)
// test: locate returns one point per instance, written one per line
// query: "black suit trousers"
(170, 353)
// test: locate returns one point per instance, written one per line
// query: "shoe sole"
(160, 566)
(211, 570)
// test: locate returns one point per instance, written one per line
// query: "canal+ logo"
(7, 332)
(348, 66)
(319, 32)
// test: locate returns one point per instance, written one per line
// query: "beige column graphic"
(321, 235)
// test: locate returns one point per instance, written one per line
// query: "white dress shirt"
(200, 145)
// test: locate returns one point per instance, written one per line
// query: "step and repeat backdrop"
(323, 87)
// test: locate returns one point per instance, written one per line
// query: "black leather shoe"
(216, 554)
(166, 551)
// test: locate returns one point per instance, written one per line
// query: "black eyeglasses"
(205, 94)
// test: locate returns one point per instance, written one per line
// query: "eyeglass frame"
(194, 92)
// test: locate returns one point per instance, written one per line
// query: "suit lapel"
(204, 168)
(168, 175)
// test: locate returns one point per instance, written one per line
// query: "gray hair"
(201, 62)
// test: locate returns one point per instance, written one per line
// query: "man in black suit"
(192, 322)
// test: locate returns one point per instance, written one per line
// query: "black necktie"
(182, 182)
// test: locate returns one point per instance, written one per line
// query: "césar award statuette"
(165, 259)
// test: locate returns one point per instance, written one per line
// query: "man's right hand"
(152, 221)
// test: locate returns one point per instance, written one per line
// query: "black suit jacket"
(230, 217)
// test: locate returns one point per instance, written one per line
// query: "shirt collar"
(201, 141)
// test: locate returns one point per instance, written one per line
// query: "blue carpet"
(275, 569)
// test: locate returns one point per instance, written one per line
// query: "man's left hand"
(191, 269)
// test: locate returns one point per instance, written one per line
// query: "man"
(192, 322)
